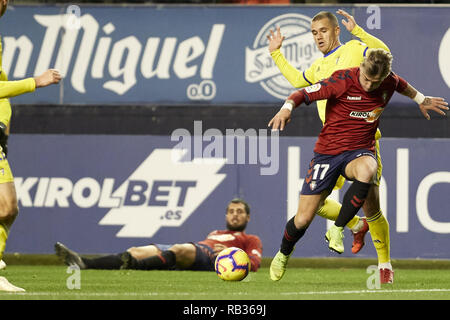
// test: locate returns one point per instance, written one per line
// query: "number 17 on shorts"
(322, 174)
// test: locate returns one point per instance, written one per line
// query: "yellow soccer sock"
(379, 230)
(330, 210)
(3, 238)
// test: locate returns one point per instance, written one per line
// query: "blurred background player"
(346, 146)
(8, 199)
(326, 31)
(199, 256)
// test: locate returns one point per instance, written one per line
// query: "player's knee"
(302, 221)
(178, 249)
(366, 171)
(132, 251)
(182, 250)
(136, 252)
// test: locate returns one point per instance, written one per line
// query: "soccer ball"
(232, 264)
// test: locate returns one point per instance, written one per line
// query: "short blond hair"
(326, 15)
(378, 62)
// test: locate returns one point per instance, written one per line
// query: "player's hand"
(350, 23)
(51, 76)
(435, 104)
(280, 120)
(219, 247)
(275, 40)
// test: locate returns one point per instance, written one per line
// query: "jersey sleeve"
(254, 251)
(296, 78)
(9, 89)
(5, 111)
(401, 84)
(333, 87)
(370, 41)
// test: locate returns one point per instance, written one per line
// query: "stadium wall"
(397, 121)
(105, 193)
(214, 55)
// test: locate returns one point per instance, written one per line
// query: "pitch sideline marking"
(366, 291)
(106, 294)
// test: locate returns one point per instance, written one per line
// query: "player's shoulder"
(354, 44)
(355, 47)
(345, 74)
(392, 78)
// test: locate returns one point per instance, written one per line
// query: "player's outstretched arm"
(283, 117)
(350, 23)
(9, 89)
(352, 27)
(334, 86)
(292, 74)
(275, 40)
(426, 104)
(435, 104)
(51, 76)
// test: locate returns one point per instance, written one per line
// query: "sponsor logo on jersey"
(369, 116)
(353, 98)
(223, 237)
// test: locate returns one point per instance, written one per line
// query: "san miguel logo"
(298, 48)
(87, 49)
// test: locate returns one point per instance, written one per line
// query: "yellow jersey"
(347, 55)
(9, 89)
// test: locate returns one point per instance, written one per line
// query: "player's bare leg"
(185, 254)
(144, 252)
(8, 204)
(295, 229)
(179, 255)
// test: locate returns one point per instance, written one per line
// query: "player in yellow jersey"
(8, 199)
(336, 55)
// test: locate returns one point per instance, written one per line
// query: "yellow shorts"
(341, 180)
(5, 170)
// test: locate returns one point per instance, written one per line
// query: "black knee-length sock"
(164, 261)
(353, 200)
(290, 237)
(109, 262)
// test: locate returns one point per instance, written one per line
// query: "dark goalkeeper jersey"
(352, 114)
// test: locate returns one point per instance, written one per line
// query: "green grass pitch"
(305, 279)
